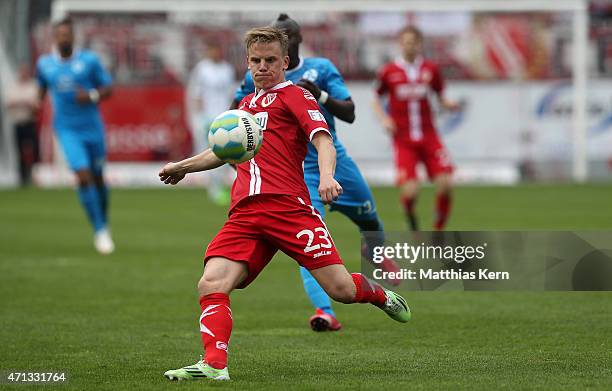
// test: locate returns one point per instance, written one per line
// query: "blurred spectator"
(601, 33)
(22, 104)
(210, 92)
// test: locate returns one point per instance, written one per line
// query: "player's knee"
(210, 284)
(221, 276)
(84, 178)
(444, 184)
(410, 190)
(445, 189)
(342, 292)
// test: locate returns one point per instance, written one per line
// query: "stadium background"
(511, 69)
(118, 322)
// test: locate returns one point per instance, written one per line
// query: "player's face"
(64, 39)
(267, 64)
(214, 53)
(410, 44)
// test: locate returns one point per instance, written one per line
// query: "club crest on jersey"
(77, 67)
(268, 99)
(426, 76)
(311, 75)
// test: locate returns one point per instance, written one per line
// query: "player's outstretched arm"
(173, 173)
(329, 189)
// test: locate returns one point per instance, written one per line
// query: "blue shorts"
(356, 201)
(83, 152)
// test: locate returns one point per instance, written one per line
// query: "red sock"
(215, 328)
(409, 204)
(443, 206)
(368, 291)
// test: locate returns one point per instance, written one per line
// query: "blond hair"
(267, 34)
(412, 30)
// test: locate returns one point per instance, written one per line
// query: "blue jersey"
(63, 78)
(324, 74)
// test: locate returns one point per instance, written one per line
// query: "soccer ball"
(235, 136)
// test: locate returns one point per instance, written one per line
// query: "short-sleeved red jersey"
(290, 117)
(408, 86)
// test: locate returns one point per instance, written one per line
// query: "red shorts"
(431, 152)
(263, 224)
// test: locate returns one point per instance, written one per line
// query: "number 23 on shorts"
(322, 237)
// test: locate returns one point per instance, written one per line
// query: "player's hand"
(329, 189)
(310, 86)
(82, 96)
(389, 125)
(171, 174)
(452, 105)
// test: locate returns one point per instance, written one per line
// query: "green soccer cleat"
(199, 370)
(396, 307)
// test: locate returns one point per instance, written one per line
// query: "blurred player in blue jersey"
(77, 83)
(319, 76)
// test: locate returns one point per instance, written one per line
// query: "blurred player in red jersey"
(407, 82)
(270, 208)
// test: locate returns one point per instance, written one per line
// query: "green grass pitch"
(118, 322)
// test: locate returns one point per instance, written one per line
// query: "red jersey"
(408, 86)
(290, 117)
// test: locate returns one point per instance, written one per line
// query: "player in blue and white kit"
(77, 83)
(322, 79)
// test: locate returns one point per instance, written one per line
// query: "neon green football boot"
(396, 307)
(199, 370)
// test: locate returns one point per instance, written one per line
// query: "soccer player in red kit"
(270, 208)
(406, 83)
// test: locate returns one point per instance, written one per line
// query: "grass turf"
(119, 322)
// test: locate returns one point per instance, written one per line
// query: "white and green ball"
(235, 136)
